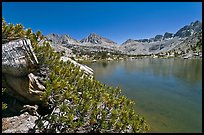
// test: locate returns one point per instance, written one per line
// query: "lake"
(167, 92)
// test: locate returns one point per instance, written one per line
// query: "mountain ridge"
(94, 38)
(97, 39)
(158, 44)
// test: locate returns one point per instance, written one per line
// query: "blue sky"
(117, 21)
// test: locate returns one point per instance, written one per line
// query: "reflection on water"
(167, 92)
(186, 70)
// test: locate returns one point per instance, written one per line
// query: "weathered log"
(18, 58)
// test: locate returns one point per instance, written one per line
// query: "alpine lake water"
(166, 92)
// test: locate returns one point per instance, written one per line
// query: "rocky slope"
(61, 39)
(168, 35)
(190, 46)
(94, 38)
(92, 44)
(166, 42)
(189, 30)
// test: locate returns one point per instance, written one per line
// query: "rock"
(189, 30)
(143, 40)
(19, 124)
(34, 86)
(30, 109)
(18, 58)
(18, 61)
(25, 89)
(62, 49)
(129, 41)
(97, 39)
(85, 68)
(168, 35)
(109, 59)
(188, 56)
(61, 39)
(158, 37)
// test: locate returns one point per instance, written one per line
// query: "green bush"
(78, 102)
(4, 105)
(83, 102)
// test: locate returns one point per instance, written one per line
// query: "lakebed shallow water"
(167, 92)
